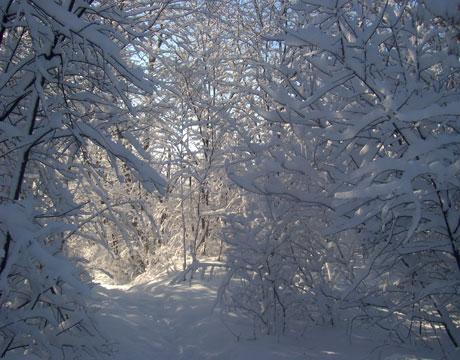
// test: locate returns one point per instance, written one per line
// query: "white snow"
(152, 319)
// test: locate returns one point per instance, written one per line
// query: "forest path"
(156, 320)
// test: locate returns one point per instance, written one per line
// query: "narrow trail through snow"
(155, 320)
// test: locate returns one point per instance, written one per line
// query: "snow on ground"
(155, 320)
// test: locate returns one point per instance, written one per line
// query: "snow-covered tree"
(191, 55)
(371, 91)
(65, 87)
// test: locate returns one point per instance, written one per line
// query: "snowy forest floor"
(151, 319)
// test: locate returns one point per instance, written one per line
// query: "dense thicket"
(363, 128)
(358, 171)
(311, 147)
